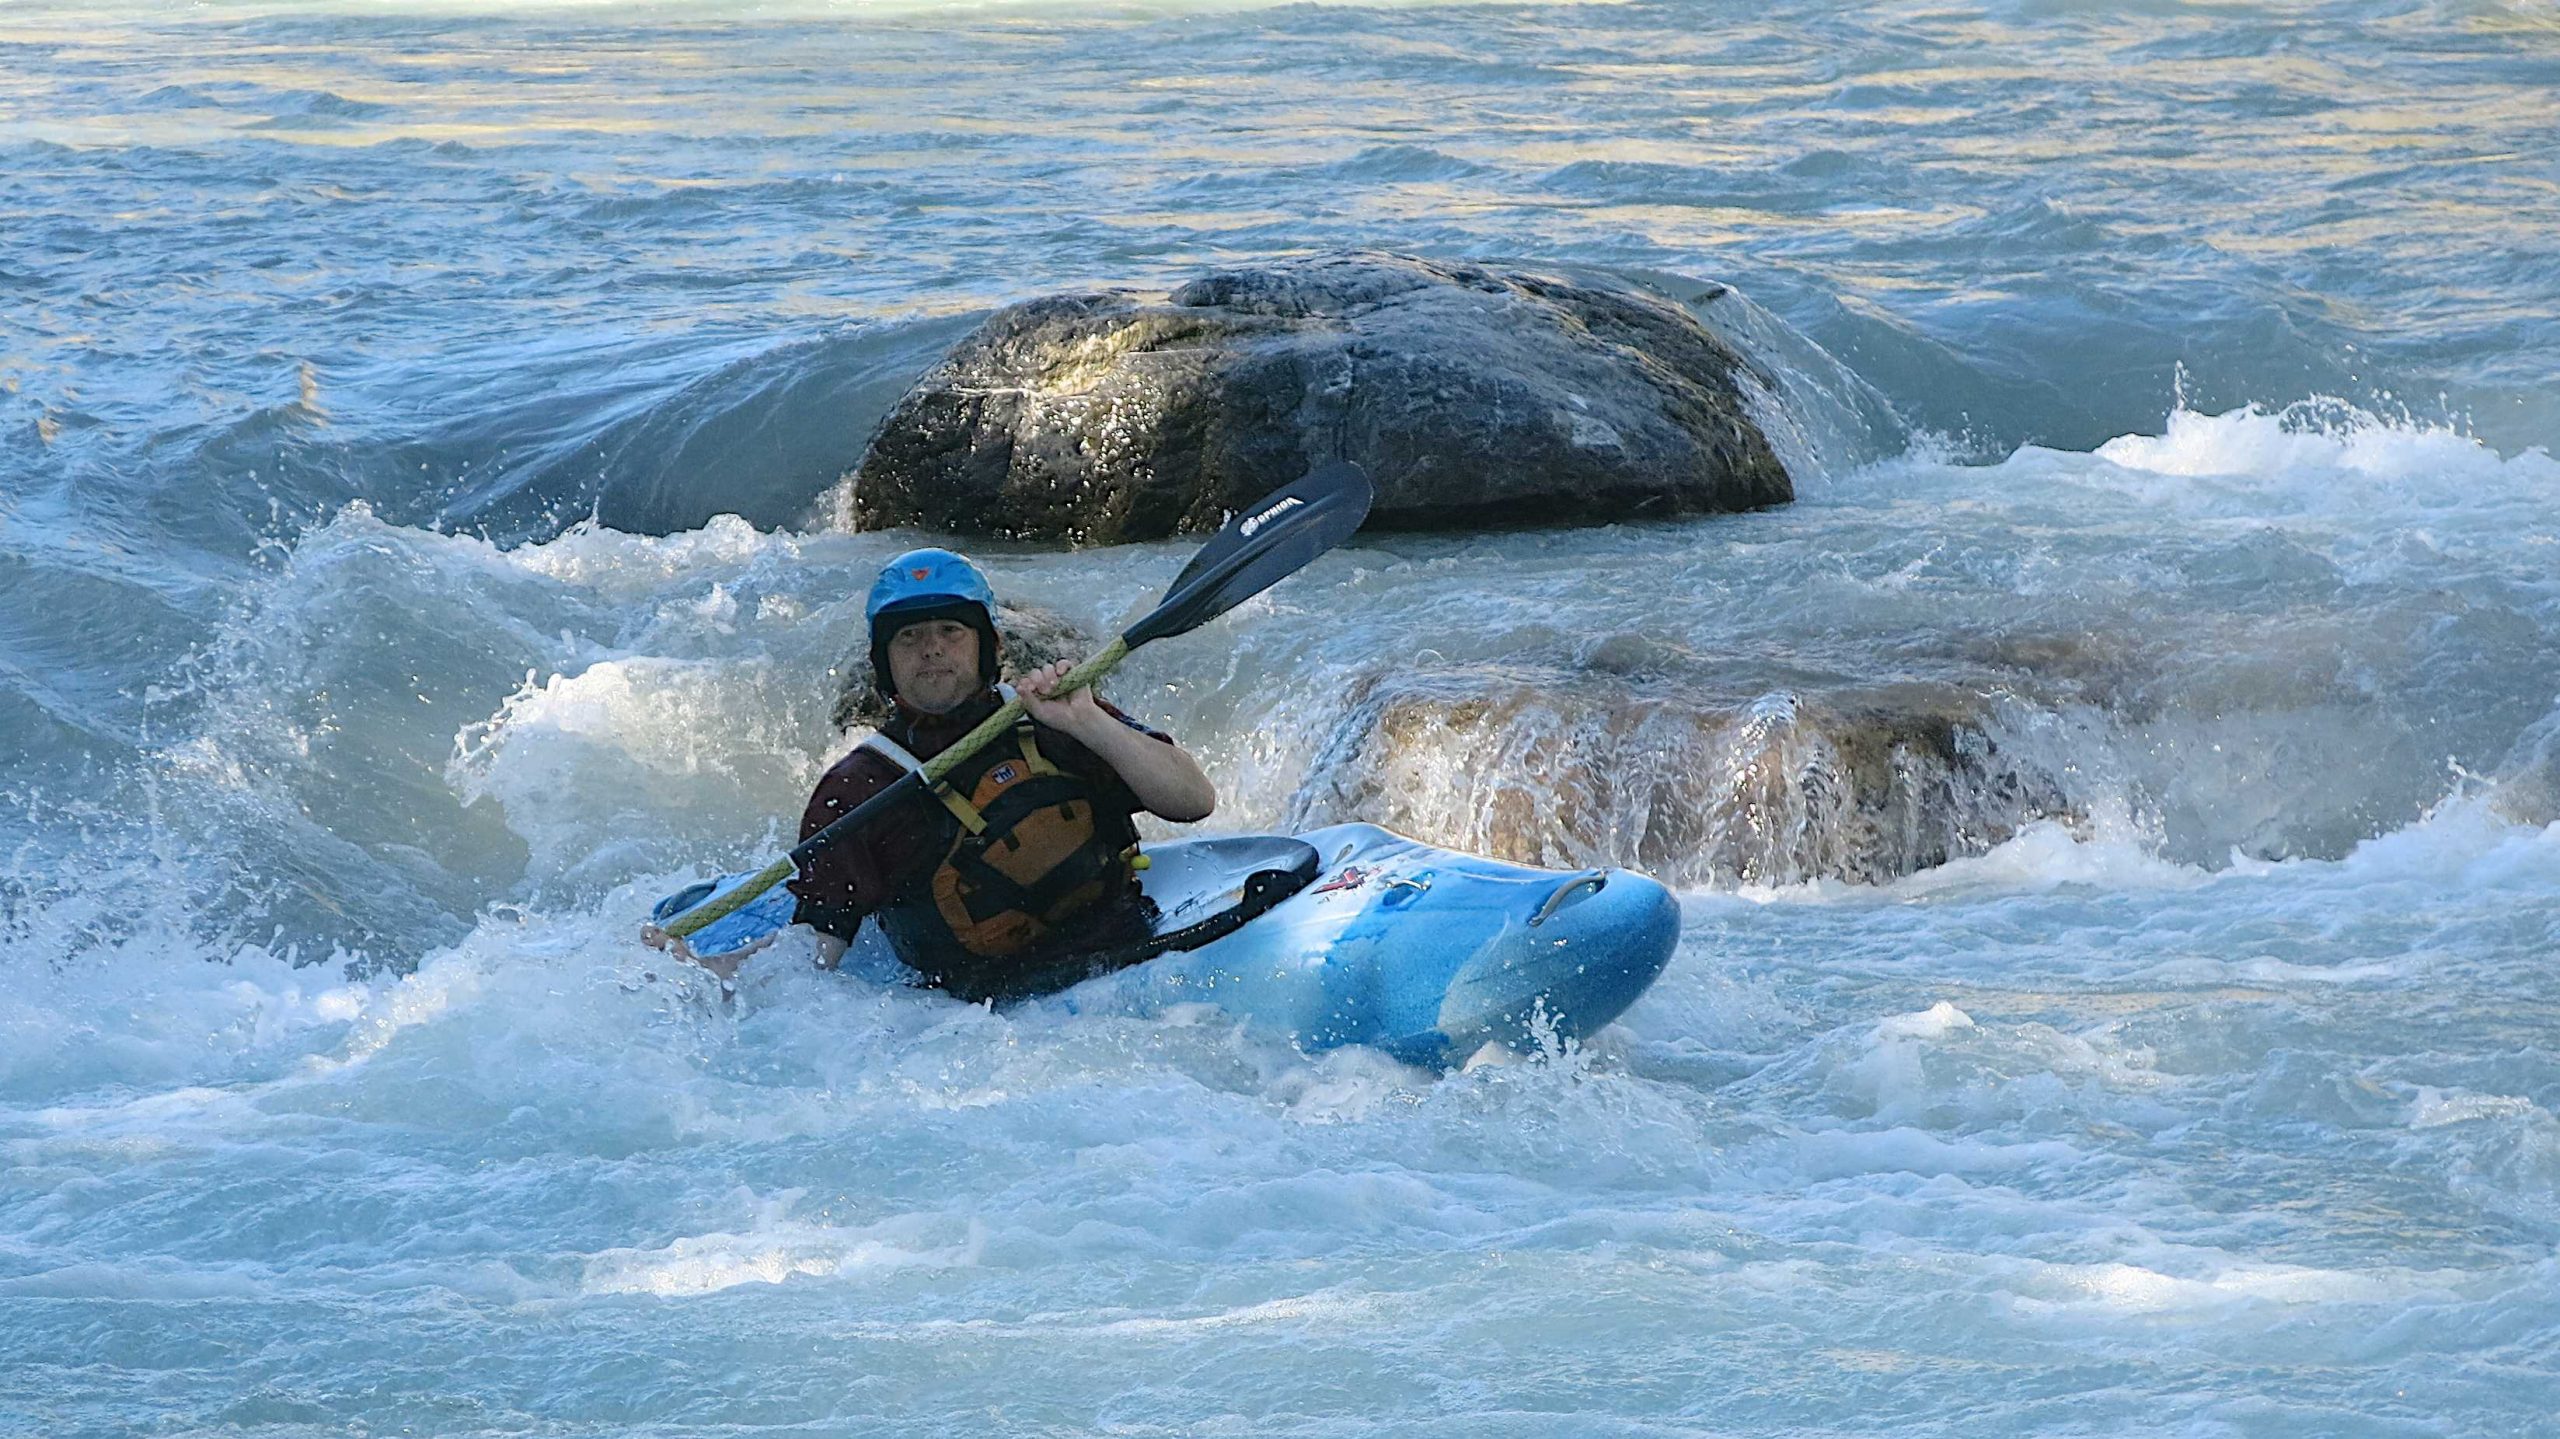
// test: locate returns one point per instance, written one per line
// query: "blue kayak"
(1356, 935)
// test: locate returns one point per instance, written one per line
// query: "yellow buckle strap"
(961, 809)
(1031, 752)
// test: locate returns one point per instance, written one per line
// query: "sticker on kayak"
(1351, 878)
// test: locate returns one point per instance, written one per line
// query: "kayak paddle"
(1255, 550)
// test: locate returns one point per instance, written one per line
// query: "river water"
(420, 434)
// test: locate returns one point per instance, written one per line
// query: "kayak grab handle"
(1594, 880)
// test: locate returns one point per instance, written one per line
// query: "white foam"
(1842, 1153)
(2327, 433)
(2221, 1284)
(1936, 1022)
(143, 1280)
(1345, 1084)
(2048, 854)
(777, 1249)
(2264, 969)
(2433, 1107)
(637, 748)
(2466, 842)
(161, 1012)
(1295, 1311)
(592, 556)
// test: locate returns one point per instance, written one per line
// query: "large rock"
(1573, 770)
(1473, 397)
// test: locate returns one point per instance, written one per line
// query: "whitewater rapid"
(2265, 1141)
(2116, 809)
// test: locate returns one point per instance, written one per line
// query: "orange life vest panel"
(1029, 852)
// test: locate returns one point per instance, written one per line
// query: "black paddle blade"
(1260, 547)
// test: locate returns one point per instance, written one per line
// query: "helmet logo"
(919, 574)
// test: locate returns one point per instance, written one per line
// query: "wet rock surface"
(2527, 787)
(1570, 771)
(1474, 396)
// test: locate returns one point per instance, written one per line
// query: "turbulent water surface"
(2117, 807)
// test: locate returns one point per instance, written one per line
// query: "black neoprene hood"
(898, 616)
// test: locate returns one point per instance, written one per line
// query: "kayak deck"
(1423, 952)
(1374, 939)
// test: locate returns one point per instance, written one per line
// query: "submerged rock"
(2527, 787)
(1030, 636)
(1473, 396)
(1572, 771)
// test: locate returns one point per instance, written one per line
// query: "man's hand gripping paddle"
(1257, 549)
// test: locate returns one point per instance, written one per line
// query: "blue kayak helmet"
(930, 585)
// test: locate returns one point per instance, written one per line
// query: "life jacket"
(1024, 853)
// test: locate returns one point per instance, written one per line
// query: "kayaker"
(1020, 867)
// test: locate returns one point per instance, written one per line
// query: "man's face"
(934, 664)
